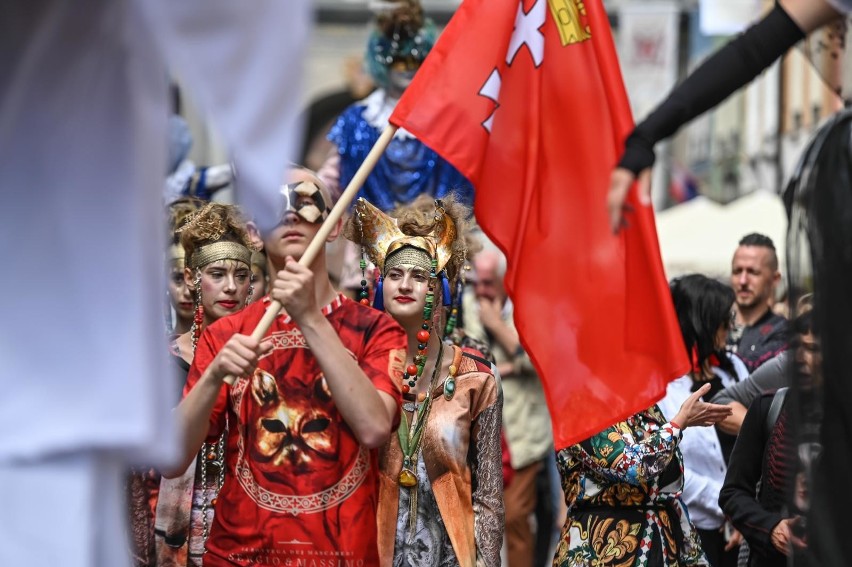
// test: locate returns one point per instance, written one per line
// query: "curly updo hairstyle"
(216, 222)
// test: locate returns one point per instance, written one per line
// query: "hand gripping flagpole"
(336, 213)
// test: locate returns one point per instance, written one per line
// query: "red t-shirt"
(299, 489)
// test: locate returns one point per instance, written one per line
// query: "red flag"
(534, 112)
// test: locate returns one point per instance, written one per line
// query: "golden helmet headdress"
(382, 238)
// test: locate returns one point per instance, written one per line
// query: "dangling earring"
(198, 319)
(452, 320)
(250, 293)
(455, 305)
(447, 298)
(379, 298)
(364, 294)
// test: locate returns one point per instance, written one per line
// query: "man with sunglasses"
(313, 401)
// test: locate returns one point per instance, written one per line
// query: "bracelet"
(675, 425)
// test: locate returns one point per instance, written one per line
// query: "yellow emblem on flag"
(566, 14)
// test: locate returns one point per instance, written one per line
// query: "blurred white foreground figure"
(83, 140)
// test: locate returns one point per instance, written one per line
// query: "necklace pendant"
(410, 406)
(407, 479)
(449, 388)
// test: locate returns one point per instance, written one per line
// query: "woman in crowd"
(143, 486)
(218, 253)
(440, 499)
(703, 307)
(180, 297)
(622, 488)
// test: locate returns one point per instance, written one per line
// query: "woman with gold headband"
(180, 296)
(441, 483)
(143, 486)
(218, 252)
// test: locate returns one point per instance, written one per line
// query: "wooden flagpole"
(335, 215)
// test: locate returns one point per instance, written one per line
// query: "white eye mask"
(305, 199)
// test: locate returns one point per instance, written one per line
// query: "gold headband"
(410, 256)
(220, 251)
(177, 255)
(258, 258)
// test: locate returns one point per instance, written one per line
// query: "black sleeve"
(733, 66)
(738, 497)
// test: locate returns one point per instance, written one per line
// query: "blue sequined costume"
(407, 169)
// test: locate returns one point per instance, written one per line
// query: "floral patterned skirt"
(627, 537)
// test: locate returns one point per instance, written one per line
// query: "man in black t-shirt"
(757, 334)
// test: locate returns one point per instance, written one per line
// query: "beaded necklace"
(415, 370)
(212, 455)
(411, 434)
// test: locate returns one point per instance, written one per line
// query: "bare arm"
(733, 422)
(770, 376)
(506, 336)
(194, 416)
(368, 412)
(810, 14)
(238, 357)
